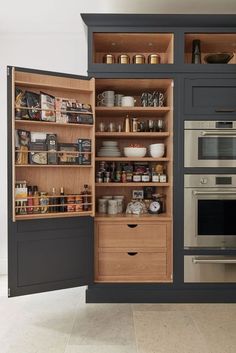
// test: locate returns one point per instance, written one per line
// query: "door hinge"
(9, 292)
(8, 71)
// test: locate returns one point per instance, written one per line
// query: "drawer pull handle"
(225, 110)
(132, 253)
(132, 225)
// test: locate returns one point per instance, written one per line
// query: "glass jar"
(137, 177)
(71, 204)
(78, 203)
(102, 205)
(112, 207)
(120, 203)
(44, 202)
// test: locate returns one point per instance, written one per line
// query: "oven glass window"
(217, 217)
(216, 148)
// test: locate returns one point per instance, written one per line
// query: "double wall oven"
(210, 200)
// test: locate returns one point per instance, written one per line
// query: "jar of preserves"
(137, 177)
(44, 202)
(78, 203)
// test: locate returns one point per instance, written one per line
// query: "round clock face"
(154, 207)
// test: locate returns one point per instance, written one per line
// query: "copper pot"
(154, 59)
(109, 59)
(123, 59)
(139, 59)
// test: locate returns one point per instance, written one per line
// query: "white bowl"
(157, 145)
(157, 154)
(157, 148)
(135, 151)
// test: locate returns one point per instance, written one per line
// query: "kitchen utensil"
(196, 51)
(118, 98)
(127, 101)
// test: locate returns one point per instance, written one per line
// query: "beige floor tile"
(101, 349)
(167, 332)
(159, 307)
(103, 324)
(218, 327)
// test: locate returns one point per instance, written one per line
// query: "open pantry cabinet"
(51, 241)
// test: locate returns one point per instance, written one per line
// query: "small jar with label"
(99, 177)
(129, 177)
(71, 204)
(137, 178)
(146, 176)
(155, 176)
(78, 203)
(123, 177)
(107, 177)
(44, 202)
(163, 178)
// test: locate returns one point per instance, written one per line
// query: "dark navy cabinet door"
(210, 96)
(49, 254)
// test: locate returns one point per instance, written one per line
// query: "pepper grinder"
(196, 52)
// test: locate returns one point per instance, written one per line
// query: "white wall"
(56, 52)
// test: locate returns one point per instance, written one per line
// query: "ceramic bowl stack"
(109, 149)
(157, 150)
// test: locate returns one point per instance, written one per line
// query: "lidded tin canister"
(109, 59)
(123, 59)
(139, 59)
(154, 59)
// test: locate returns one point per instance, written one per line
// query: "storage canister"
(112, 207)
(154, 59)
(139, 59)
(123, 59)
(102, 205)
(109, 59)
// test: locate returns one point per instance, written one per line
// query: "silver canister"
(154, 59)
(139, 59)
(102, 206)
(109, 59)
(123, 59)
(112, 207)
(120, 203)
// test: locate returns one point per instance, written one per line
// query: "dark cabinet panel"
(50, 254)
(211, 96)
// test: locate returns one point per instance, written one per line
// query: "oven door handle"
(214, 261)
(218, 133)
(214, 192)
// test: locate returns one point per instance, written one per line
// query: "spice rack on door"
(71, 177)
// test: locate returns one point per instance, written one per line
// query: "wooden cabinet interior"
(46, 177)
(133, 43)
(211, 43)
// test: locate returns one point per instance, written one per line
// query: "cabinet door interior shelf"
(133, 159)
(138, 111)
(53, 215)
(52, 166)
(51, 123)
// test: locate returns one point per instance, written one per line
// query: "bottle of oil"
(62, 208)
(36, 199)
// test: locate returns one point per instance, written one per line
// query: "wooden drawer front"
(148, 264)
(210, 96)
(112, 235)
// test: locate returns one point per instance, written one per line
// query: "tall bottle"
(62, 208)
(36, 199)
(30, 200)
(54, 201)
(196, 52)
(85, 194)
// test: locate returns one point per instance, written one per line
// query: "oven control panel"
(210, 180)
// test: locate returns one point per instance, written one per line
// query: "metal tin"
(154, 59)
(139, 59)
(109, 59)
(123, 59)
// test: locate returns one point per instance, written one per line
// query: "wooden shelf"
(131, 184)
(54, 110)
(52, 166)
(51, 86)
(131, 217)
(133, 134)
(51, 123)
(139, 111)
(132, 159)
(53, 215)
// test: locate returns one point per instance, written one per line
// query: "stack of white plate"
(109, 149)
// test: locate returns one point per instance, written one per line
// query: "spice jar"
(139, 59)
(44, 202)
(137, 177)
(109, 59)
(71, 204)
(154, 59)
(78, 203)
(112, 207)
(123, 59)
(102, 205)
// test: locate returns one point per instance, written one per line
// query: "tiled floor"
(61, 322)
